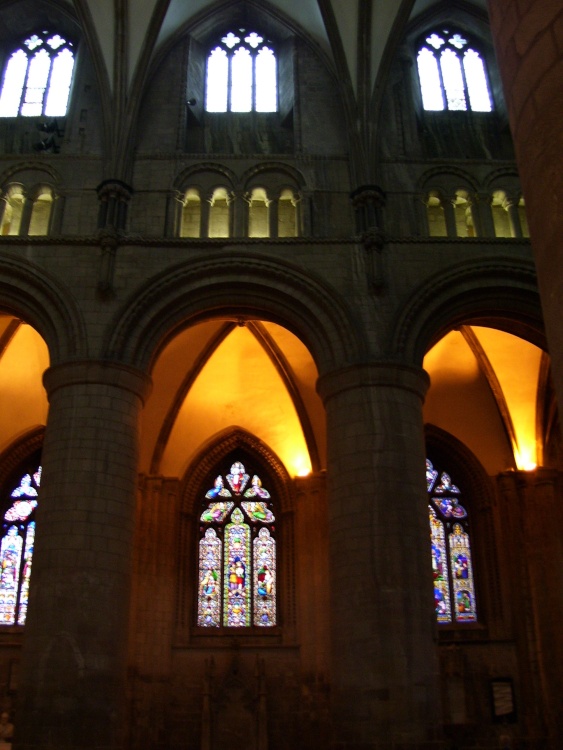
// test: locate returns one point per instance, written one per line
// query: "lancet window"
(242, 74)
(452, 566)
(37, 77)
(452, 74)
(16, 549)
(237, 584)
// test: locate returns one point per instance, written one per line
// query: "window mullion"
(48, 83)
(24, 87)
(464, 79)
(254, 58)
(230, 81)
(442, 84)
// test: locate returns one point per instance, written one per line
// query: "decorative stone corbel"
(368, 202)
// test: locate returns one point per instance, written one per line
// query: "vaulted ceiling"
(220, 375)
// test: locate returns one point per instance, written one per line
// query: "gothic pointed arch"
(236, 504)
(476, 495)
(20, 480)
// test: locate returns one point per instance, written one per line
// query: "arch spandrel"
(242, 286)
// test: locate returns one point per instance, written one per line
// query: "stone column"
(384, 665)
(511, 205)
(273, 205)
(483, 207)
(114, 196)
(532, 521)
(528, 38)
(448, 204)
(26, 215)
(74, 661)
(239, 215)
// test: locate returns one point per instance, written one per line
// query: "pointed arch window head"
(237, 584)
(37, 77)
(452, 567)
(242, 74)
(16, 549)
(452, 74)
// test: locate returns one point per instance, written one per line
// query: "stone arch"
(218, 448)
(495, 293)
(193, 490)
(31, 173)
(33, 295)
(205, 175)
(468, 18)
(478, 495)
(241, 286)
(19, 451)
(448, 179)
(280, 172)
(451, 452)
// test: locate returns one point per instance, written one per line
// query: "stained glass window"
(452, 75)
(37, 77)
(241, 74)
(237, 554)
(16, 549)
(452, 568)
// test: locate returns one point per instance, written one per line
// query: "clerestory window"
(237, 584)
(16, 548)
(452, 74)
(242, 74)
(452, 566)
(37, 77)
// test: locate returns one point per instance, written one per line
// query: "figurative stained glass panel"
(237, 554)
(264, 579)
(209, 592)
(236, 607)
(454, 587)
(10, 565)
(26, 572)
(462, 574)
(440, 569)
(16, 549)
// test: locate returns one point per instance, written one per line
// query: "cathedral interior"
(281, 354)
